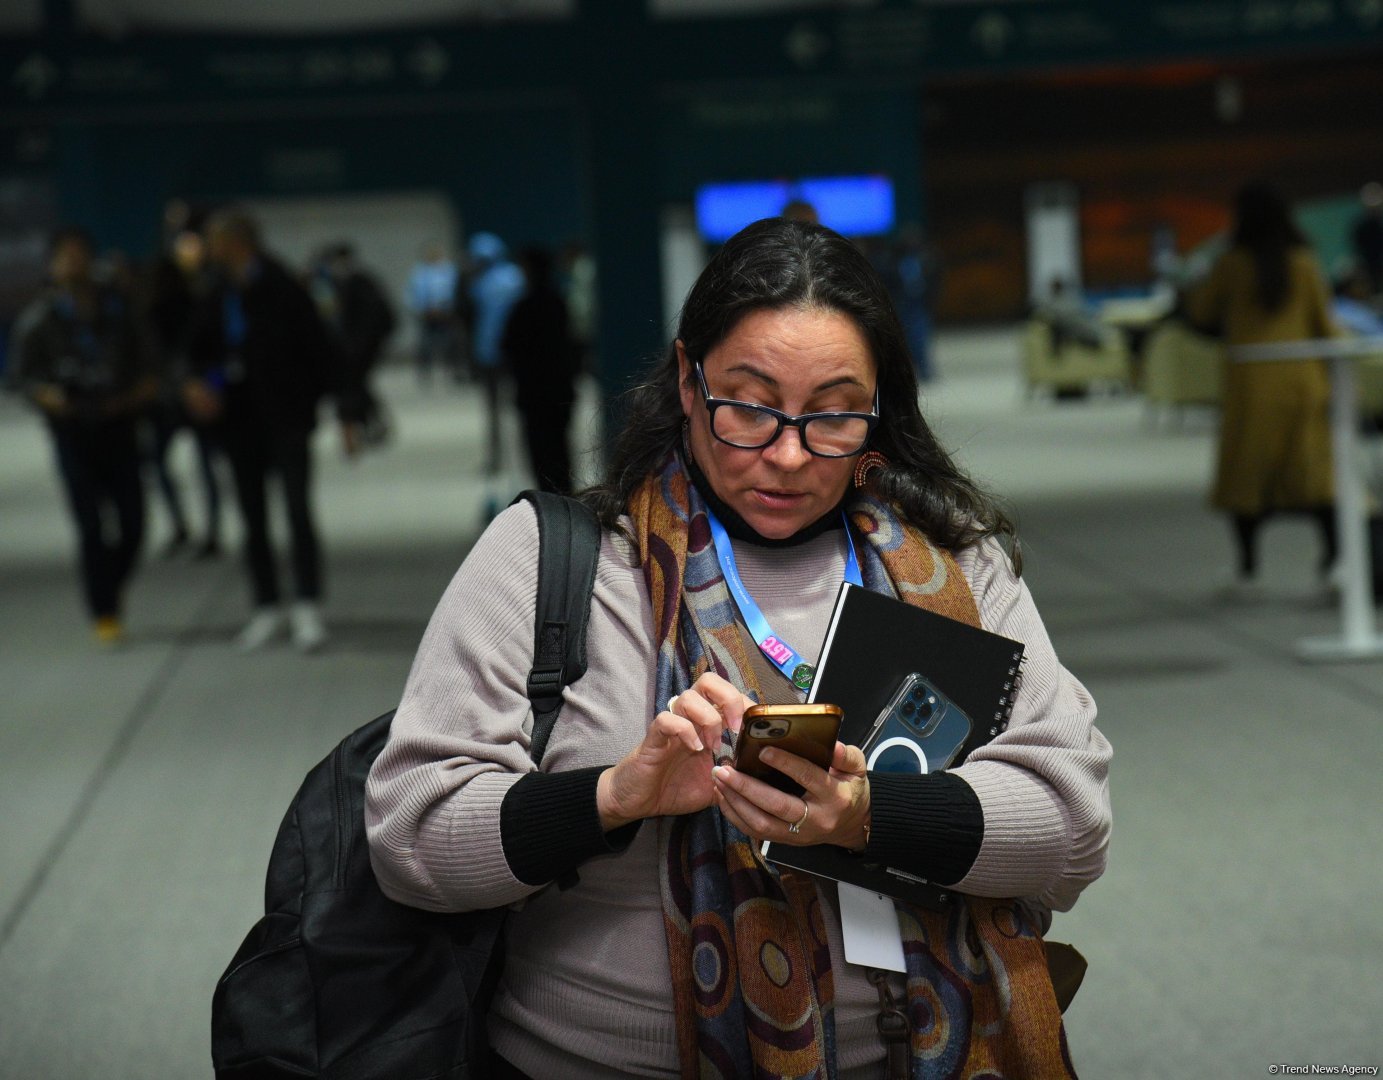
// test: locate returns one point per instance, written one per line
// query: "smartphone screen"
(920, 730)
(809, 731)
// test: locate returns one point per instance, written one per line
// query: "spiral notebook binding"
(1014, 684)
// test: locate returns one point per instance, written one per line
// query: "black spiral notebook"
(920, 693)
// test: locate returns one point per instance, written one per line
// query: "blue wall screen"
(852, 205)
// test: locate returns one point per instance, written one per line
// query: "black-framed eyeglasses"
(747, 426)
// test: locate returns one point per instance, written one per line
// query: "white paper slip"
(869, 927)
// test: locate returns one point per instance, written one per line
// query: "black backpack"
(338, 981)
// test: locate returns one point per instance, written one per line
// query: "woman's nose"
(788, 451)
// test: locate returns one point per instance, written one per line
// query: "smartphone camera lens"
(768, 728)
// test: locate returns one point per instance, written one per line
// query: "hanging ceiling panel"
(693, 9)
(304, 16)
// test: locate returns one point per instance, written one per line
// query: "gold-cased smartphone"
(809, 731)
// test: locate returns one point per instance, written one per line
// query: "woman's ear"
(685, 388)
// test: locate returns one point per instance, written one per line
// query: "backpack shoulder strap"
(569, 546)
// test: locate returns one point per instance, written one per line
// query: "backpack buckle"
(545, 683)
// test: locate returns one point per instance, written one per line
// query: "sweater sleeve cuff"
(929, 825)
(549, 825)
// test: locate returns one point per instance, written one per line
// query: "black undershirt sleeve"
(549, 825)
(931, 825)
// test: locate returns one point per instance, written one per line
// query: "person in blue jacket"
(83, 363)
(496, 286)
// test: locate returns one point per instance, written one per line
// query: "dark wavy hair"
(777, 263)
(1263, 226)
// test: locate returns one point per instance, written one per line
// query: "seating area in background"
(1369, 374)
(1073, 367)
(1176, 369)
(1179, 369)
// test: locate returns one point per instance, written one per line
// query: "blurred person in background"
(81, 361)
(1070, 316)
(1274, 447)
(363, 320)
(432, 300)
(496, 285)
(173, 288)
(261, 360)
(913, 277)
(579, 288)
(543, 359)
(801, 210)
(1353, 308)
(1367, 237)
(908, 268)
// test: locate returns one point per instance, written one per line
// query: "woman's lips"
(779, 500)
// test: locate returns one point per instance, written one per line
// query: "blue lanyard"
(782, 655)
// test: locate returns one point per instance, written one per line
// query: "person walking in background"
(261, 361)
(496, 285)
(80, 360)
(1274, 449)
(173, 289)
(543, 358)
(363, 320)
(431, 298)
(578, 283)
(914, 278)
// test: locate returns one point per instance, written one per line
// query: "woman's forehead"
(790, 343)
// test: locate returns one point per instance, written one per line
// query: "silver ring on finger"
(796, 826)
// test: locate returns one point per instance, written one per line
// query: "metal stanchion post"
(1358, 639)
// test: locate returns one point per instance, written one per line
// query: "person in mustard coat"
(1274, 451)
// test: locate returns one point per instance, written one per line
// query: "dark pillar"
(622, 156)
(59, 19)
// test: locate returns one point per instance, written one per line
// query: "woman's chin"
(776, 530)
(777, 523)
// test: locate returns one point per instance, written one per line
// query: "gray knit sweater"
(586, 990)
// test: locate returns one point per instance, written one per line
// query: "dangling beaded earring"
(868, 462)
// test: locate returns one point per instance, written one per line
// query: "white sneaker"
(309, 631)
(264, 625)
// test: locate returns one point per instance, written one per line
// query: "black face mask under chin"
(737, 527)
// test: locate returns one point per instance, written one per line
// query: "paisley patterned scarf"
(751, 967)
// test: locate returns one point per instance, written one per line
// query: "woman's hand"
(670, 771)
(834, 809)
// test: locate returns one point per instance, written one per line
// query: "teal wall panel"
(516, 172)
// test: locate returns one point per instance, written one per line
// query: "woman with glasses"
(779, 441)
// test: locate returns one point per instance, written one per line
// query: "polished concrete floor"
(1239, 925)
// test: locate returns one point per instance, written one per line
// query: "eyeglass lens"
(749, 428)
